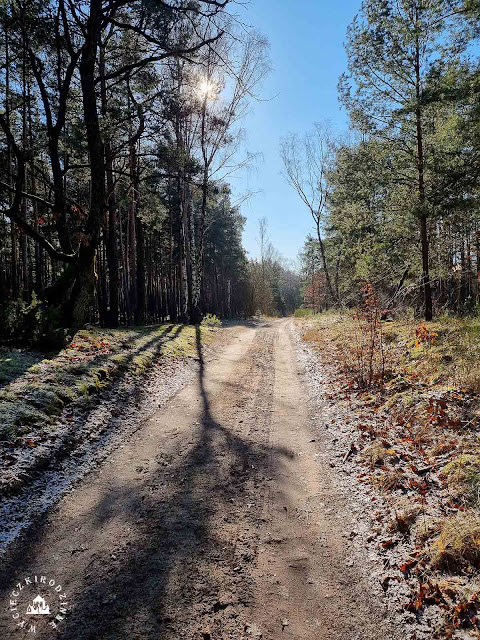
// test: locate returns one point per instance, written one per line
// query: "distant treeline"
(275, 287)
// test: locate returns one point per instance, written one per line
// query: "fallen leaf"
(388, 544)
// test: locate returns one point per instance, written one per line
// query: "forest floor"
(415, 450)
(226, 513)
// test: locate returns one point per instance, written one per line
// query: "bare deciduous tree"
(307, 160)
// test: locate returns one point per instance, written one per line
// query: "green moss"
(45, 399)
(82, 388)
(120, 361)
(66, 394)
(185, 343)
(15, 363)
(74, 369)
(40, 388)
(100, 377)
(15, 415)
(36, 368)
(142, 362)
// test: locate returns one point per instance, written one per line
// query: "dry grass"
(463, 477)
(389, 479)
(405, 514)
(451, 359)
(376, 453)
(426, 528)
(457, 547)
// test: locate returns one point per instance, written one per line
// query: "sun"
(207, 89)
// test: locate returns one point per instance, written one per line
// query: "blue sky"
(307, 57)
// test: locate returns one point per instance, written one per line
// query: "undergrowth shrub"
(363, 356)
(32, 324)
(303, 313)
(423, 335)
(211, 320)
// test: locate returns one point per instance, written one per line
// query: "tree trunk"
(112, 251)
(23, 236)
(132, 286)
(199, 257)
(141, 294)
(183, 261)
(330, 293)
(171, 298)
(85, 283)
(427, 291)
(39, 280)
(13, 228)
(337, 271)
(111, 241)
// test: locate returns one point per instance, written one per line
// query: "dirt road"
(218, 519)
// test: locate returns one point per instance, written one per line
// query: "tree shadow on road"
(185, 565)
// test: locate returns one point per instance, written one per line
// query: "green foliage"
(223, 246)
(182, 207)
(412, 165)
(274, 286)
(33, 324)
(303, 313)
(211, 320)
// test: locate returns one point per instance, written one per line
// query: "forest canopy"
(395, 201)
(119, 128)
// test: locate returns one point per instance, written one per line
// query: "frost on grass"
(37, 388)
(15, 362)
(416, 433)
(457, 547)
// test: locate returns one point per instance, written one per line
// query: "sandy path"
(216, 520)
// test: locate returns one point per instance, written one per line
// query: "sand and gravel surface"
(222, 515)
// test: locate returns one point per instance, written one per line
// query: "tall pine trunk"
(111, 241)
(13, 229)
(132, 239)
(427, 291)
(140, 238)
